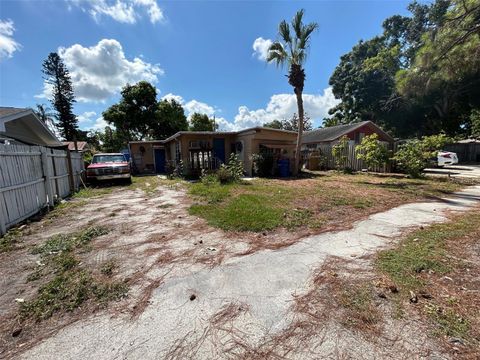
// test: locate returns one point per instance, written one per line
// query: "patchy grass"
(361, 311)
(149, 184)
(424, 251)
(9, 241)
(440, 266)
(108, 267)
(67, 242)
(69, 285)
(323, 202)
(67, 291)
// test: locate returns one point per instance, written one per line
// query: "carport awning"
(26, 127)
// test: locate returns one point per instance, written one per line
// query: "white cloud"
(194, 106)
(283, 106)
(100, 71)
(260, 48)
(171, 96)
(191, 106)
(280, 106)
(7, 44)
(86, 117)
(124, 11)
(100, 124)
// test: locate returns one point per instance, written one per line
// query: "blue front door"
(160, 161)
(219, 149)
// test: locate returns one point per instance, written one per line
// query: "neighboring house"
(82, 146)
(207, 149)
(355, 132)
(22, 126)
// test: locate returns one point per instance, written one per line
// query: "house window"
(311, 146)
(358, 137)
(199, 144)
(178, 154)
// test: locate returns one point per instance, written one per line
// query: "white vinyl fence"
(33, 177)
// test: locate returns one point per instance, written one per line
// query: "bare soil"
(153, 239)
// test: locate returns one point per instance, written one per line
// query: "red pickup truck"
(112, 166)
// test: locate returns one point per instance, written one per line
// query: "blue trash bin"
(284, 167)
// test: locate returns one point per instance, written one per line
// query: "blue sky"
(208, 55)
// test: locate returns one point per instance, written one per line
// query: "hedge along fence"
(353, 163)
(32, 178)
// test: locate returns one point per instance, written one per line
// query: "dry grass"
(325, 202)
(441, 266)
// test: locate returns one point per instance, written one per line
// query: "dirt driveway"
(194, 294)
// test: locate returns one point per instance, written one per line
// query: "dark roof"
(6, 111)
(80, 145)
(334, 132)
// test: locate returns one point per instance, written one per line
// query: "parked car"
(112, 166)
(446, 158)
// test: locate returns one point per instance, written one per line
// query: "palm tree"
(45, 114)
(292, 50)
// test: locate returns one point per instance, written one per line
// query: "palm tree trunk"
(296, 166)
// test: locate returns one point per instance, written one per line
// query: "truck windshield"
(108, 158)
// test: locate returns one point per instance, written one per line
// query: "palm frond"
(297, 24)
(284, 32)
(307, 30)
(277, 53)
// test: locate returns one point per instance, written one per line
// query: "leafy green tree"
(58, 77)
(169, 119)
(134, 114)
(475, 123)
(201, 122)
(291, 51)
(110, 140)
(275, 124)
(445, 72)
(372, 151)
(409, 158)
(291, 124)
(415, 155)
(138, 115)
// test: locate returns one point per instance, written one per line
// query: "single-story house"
(22, 126)
(81, 146)
(355, 132)
(208, 149)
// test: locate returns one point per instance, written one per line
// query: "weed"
(108, 267)
(358, 300)
(67, 242)
(448, 321)
(9, 241)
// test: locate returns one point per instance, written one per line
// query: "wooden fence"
(466, 152)
(34, 177)
(353, 162)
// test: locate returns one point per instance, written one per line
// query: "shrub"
(340, 154)
(263, 164)
(372, 151)
(174, 171)
(235, 167)
(223, 175)
(414, 156)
